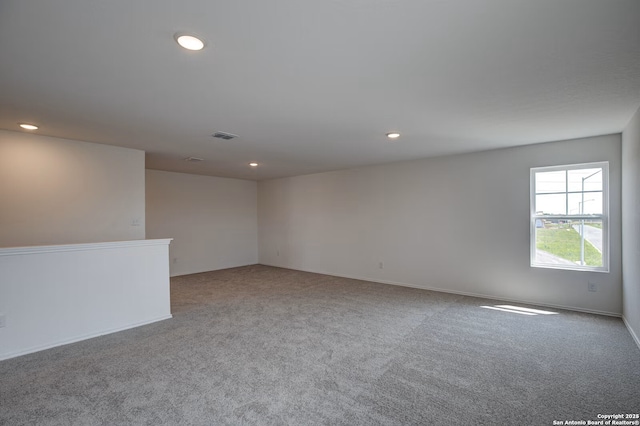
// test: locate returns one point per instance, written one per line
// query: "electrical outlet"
(135, 221)
(593, 286)
(381, 265)
(278, 253)
(3, 321)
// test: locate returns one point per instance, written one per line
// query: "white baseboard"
(461, 293)
(633, 334)
(79, 338)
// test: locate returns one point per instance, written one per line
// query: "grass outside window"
(564, 241)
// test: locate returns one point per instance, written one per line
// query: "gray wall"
(212, 220)
(59, 191)
(631, 224)
(458, 224)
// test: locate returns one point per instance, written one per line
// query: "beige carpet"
(263, 345)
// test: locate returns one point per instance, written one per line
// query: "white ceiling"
(314, 85)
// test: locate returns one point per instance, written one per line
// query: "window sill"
(577, 268)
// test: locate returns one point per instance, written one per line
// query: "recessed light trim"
(253, 164)
(189, 41)
(393, 135)
(28, 126)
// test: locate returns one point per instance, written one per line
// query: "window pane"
(551, 204)
(551, 182)
(559, 243)
(592, 203)
(592, 180)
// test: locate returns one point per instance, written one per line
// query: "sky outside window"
(559, 192)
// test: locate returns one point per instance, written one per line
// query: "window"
(569, 217)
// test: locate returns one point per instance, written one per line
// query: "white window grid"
(604, 216)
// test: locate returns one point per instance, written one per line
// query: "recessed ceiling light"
(253, 164)
(189, 42)
(28, 126)
(393, 135)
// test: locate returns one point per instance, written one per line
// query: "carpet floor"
(270, 346)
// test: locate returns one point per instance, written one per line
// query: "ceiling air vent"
(194, 159)
(223, 135)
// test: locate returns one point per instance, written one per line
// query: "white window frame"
(604, 165)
